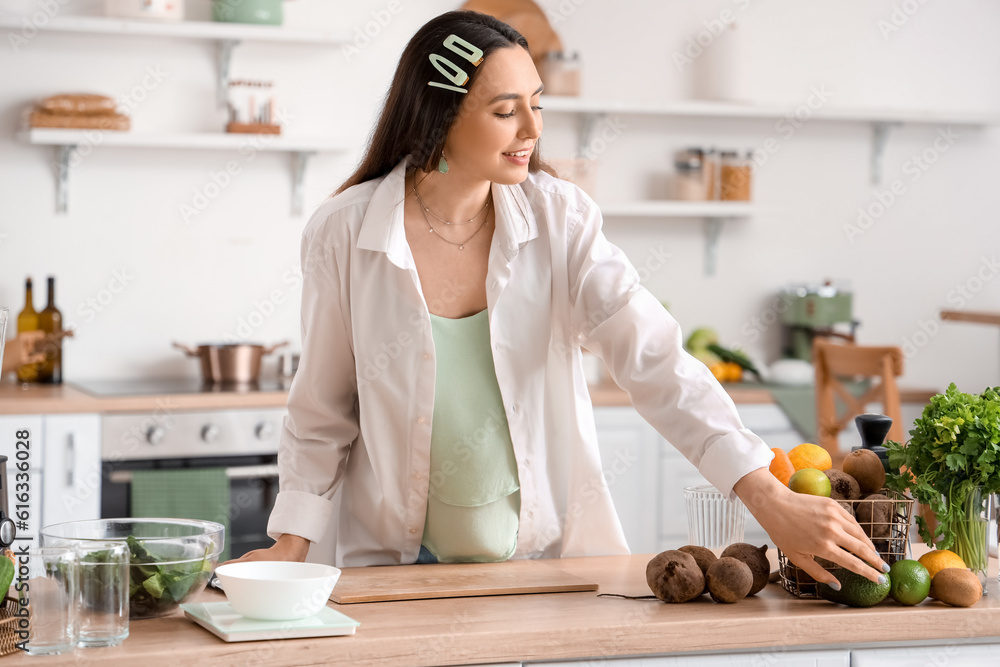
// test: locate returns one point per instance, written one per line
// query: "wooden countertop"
(66, 399)
(556, 626)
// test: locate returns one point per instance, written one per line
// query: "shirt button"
(496, 346)
(417, 475)
(421, 420)
(427, 356)
(530, 515)
(413, 531)
(513, 408)
(496, 284)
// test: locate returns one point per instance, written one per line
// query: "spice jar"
(561, 73)
(735, 175)
(689, 184)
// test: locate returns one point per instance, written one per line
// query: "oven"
(243, 442)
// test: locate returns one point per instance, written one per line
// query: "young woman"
(440, 410)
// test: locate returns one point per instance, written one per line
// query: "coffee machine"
(815, 310)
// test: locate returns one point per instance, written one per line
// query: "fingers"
(806, 563)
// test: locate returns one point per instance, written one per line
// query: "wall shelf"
(593, 111)
(68, 143)
(226, 36)
(711, 213)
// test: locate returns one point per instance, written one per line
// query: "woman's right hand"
(287, 547)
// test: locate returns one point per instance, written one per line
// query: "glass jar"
(561, 73)
(735, 176)
(689, 184)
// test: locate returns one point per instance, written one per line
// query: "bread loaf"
(78, 104)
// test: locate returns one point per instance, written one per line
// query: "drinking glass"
(52, 596)
(104, 585)
(4, 314)
(714, 521)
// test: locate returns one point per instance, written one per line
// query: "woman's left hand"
(805, 526)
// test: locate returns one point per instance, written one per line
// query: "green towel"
(799, 404)
(201, 493)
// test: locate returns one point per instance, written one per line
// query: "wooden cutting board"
(449, 580)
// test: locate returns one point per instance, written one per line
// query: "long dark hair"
(416, 117)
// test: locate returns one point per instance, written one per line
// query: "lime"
(811, 481)
(910, 582)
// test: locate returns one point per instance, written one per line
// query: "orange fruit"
(781, 467)
(808, 455)
(939, 559)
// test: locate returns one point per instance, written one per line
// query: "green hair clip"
(450, 70)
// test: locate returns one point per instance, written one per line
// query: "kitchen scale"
(220, 619)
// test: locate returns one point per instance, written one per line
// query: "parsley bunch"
(954, 449)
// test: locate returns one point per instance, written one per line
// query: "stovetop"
(165, 386)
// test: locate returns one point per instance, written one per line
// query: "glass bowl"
(170, 560)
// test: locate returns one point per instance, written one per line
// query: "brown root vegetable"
(874, 513)
(729, 579)
(756, 559)
(866, 467)
(956, 586)
(703, 556)
(842, 485)
(674, 576)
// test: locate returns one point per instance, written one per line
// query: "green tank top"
(473, 498)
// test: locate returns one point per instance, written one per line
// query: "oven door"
(253, 483)
(243, 442)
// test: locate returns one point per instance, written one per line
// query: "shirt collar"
(382, 228)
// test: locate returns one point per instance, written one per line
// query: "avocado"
(855, 590)
(700, 339)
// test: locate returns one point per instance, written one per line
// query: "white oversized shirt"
(355, 449)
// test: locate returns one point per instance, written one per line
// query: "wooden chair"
(835, 362)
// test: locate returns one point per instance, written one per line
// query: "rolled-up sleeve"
(641, 345)
(322, 419)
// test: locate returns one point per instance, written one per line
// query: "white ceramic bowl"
(277, 590)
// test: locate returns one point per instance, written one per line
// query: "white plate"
(220, 619)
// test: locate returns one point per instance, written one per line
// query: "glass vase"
(972, 539)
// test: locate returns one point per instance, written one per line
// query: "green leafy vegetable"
(953, 452)
(158, 583)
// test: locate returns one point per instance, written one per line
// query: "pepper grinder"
(7, 529)
(873, 428)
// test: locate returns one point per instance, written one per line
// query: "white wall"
(196, 282)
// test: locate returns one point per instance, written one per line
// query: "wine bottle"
(50, 321)
(29, 336)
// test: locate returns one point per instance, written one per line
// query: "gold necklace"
(461, 245)
(447, 222)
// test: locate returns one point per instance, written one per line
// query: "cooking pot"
(229, 363)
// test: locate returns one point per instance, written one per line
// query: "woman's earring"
(443, 164)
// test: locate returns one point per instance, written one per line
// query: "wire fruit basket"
(889, 532)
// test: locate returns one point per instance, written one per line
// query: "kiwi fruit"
(957, 587)
(755, 558)
(674, 576)
(703, 556)
(729, 579)
(866, 467)
(874, 513)
(842, 485)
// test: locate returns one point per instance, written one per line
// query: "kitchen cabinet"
(10, 428)
(958, 653)
(64, 471)
(647, 475)
(769, 657)
(72, 472)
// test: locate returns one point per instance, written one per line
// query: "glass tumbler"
(4, 314)
(52, 595)
(714, 521)
(104, 586)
